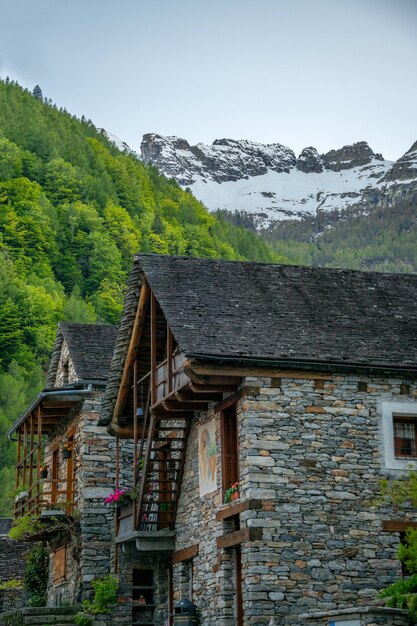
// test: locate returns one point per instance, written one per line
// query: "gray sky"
(299, 72)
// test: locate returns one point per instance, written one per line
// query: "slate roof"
(277, 314)
(90, 347)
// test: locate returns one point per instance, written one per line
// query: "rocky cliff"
(271, 184)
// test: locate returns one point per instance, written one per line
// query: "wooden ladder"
(162, 448)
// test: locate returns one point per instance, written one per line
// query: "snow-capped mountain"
(270, 183)
(119, 143)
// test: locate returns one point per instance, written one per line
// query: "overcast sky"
(299, 72)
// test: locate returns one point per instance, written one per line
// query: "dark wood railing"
(60, 493)
(169, 376)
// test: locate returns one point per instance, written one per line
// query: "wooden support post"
(31, 458)
(153, 349)
(38, 462)
(117, 463)
(25, 451)
(135, 420)
(19, 457)
(125, 386)
(169, 359)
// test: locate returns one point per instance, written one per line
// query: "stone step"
(40, 616)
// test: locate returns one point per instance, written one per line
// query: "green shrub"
(82, 619)
(14, 583)
(402, 595)
(23, 527)
(105, 594)
(36, 575)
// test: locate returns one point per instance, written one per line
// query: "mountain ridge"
(269, 183)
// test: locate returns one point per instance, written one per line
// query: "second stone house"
(264, 403)
(66, 462)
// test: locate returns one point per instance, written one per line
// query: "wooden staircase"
(162, 457)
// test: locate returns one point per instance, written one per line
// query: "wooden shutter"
(60, 562)
(230, 447)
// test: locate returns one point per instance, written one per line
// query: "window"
(399, 429)
(405, 437)
(230, 447)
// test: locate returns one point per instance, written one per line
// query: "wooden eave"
(46, 413)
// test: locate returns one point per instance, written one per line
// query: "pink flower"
(115, 496)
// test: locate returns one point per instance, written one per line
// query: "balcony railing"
(169, 376)
(60, 492)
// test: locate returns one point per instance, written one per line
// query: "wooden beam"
(397, 526)
(216, 379)
(239, 507)
(232, 399)
(153, 349)
(38, 461)
(175, 406)
(132, 351)
(189, 396)
(186, 554)
(214, 389)
(135, 421)
(249, 370)
(170, 344)
(159, 414)
(230, 540)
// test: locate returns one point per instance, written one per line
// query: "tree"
(402, 494)
(37, 92)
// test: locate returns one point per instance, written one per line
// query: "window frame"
(230, 446)
(400, 419)
(390, 411)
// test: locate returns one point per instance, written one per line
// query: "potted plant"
(232, 493)
(121, 498)
(43, 473)
(66, 451)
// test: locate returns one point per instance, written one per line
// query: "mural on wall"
(207, 457)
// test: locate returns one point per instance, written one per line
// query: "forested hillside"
(73, 210)
(382, 239)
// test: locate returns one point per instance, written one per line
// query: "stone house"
(297, 383)
(65, 462)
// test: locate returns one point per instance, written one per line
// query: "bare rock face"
(225, 160)
(405, 168)
(349, 156)
(309, 161)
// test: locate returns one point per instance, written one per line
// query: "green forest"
(383, 239)
(73, 211)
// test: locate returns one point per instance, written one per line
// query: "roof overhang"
(231, 364)
(63, 398)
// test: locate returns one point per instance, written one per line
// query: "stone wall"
(366, 616)
(94, 456)
(311, 452)
(130, 560)
(10, 599)
(66, 374)
(12, 553)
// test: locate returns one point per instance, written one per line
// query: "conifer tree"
(37, 92)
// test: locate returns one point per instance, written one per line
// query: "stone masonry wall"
(311, 452)
(12, 553)
(367, 616)
(94, 457)
(314, 458)
(66, 374)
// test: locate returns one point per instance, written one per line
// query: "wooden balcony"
(169, 376)
(46, 494)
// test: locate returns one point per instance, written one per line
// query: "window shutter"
(60, 559)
